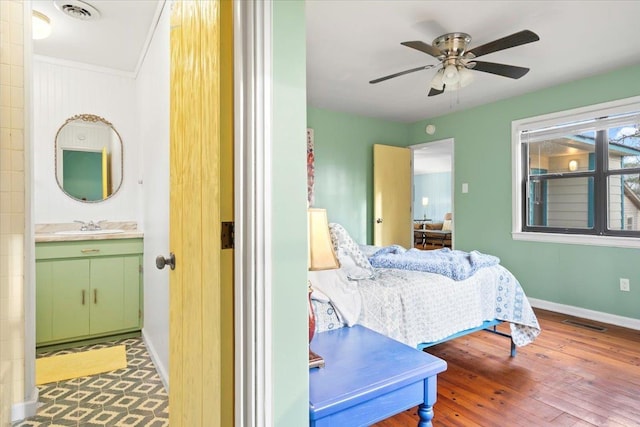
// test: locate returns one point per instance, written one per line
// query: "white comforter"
(417, 307)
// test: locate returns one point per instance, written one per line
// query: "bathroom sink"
(88, 232)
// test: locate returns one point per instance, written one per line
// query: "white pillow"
(446, 225)
(355, 264)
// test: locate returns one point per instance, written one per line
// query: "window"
(577, 173)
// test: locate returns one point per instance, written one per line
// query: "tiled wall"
(12, 206)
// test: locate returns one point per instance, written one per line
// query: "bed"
(418, 308)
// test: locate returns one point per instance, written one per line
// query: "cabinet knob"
(379, 220)
(162, 261)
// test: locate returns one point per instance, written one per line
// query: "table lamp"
(425, 202)
(321, 257)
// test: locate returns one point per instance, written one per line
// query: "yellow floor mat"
(66, 366)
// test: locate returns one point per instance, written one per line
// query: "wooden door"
(392, 196)
(201, 286)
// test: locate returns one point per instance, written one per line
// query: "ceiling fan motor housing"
(452, 44)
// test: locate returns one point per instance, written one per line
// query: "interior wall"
(344, 165)
(62, 90)
(288, 234)
(152, 94)
(437, 187)
(13, 213)
(574, 275)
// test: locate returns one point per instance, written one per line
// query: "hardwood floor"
(570, 376)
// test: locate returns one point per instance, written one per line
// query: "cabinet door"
(132, 289)
(107, 294)
(115, 293)
(44, 301)
(70, 296)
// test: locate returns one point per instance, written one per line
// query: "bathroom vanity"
(88, 284)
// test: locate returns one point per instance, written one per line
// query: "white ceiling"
(116, 40)
(350, 42)
(434, 157)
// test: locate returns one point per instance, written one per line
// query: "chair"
(439, 234)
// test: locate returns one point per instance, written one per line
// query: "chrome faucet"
(84, 226)
(90, 226)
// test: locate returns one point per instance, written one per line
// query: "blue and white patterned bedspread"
(457, 265)
(417, 307)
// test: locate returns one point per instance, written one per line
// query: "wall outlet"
(624, 285)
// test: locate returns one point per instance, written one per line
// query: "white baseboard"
(26, 409)
(599, 316)
(160, 368)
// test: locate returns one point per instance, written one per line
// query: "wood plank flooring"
(570, 376)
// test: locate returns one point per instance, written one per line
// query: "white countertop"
(49, 232)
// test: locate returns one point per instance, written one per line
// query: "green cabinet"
(87, 289)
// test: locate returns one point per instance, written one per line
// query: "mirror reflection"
(88, 158)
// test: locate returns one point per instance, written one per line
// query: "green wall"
(290, 368)
(344, 165)
(575, 275)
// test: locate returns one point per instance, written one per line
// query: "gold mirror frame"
(107, 149)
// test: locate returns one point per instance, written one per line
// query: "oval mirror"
(88, 158)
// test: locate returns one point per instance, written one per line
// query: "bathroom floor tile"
(133, 396)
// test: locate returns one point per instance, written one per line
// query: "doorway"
(433, 181)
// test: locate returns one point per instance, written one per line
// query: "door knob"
(162, 261)
(379, 220)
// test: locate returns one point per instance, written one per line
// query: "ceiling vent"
(77, 9)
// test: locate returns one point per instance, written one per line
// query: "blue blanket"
(457, 265)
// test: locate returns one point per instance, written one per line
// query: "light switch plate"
(465, 187)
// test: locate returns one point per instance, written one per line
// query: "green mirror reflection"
(88, 158)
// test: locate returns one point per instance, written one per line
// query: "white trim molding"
(252, 182)
(26, 409)
(598, 316)
(153, 354)
(576, 115)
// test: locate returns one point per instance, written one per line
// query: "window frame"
(614, 238)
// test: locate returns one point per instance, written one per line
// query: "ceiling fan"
(456, 62)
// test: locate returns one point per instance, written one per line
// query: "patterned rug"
(80, 364)
(133, 396)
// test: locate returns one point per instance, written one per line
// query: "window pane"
(624, 202)
(624, 146)
(561, 202)
(566, 153)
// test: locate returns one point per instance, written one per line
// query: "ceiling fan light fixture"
(436, 82)
(466, 76)
(450, 75)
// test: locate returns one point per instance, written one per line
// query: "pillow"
(368, 250)
(355, 264)
(446, 225)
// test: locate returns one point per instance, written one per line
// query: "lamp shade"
(436, 82)
(451, 75)
(425, 201)
(466, 76)
(321, 254)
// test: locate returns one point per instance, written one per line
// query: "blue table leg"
(425, 410)
(426, 415)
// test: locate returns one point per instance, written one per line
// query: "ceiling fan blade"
(500, 69)
(516, 39)
(401, 73)
(423, 47)
(434, 92)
